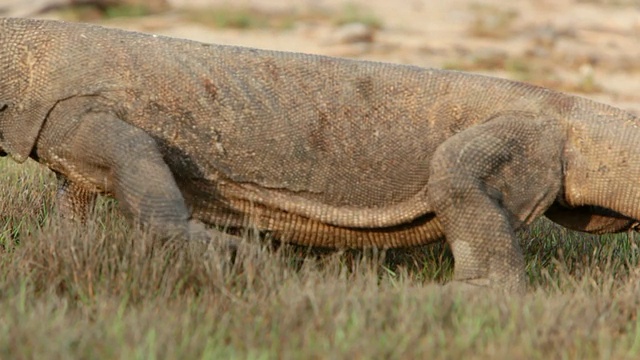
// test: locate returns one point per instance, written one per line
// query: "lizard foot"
(227, 243)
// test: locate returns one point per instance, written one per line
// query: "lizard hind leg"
(73, 202)
(485, 183)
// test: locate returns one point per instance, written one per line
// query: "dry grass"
(537, 71)
(105, 290)
(617, 3)
(491, 21)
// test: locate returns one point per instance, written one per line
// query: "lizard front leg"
(111, 156)
(485, 183)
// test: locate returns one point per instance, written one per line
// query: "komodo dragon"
(314, 150)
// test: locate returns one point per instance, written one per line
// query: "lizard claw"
(200, 233)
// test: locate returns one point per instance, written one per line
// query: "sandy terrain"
(589, 47)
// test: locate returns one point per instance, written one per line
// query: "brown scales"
(314, 150)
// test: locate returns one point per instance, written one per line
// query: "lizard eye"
(3, 107)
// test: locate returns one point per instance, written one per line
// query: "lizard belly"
(233, 211)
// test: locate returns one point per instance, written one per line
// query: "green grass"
(248, 18)
(241, 17)
(106, 290)
(123, 9)
(354, 13)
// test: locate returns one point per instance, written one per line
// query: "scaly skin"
(314, 150)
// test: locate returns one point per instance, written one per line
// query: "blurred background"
(586, 47)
